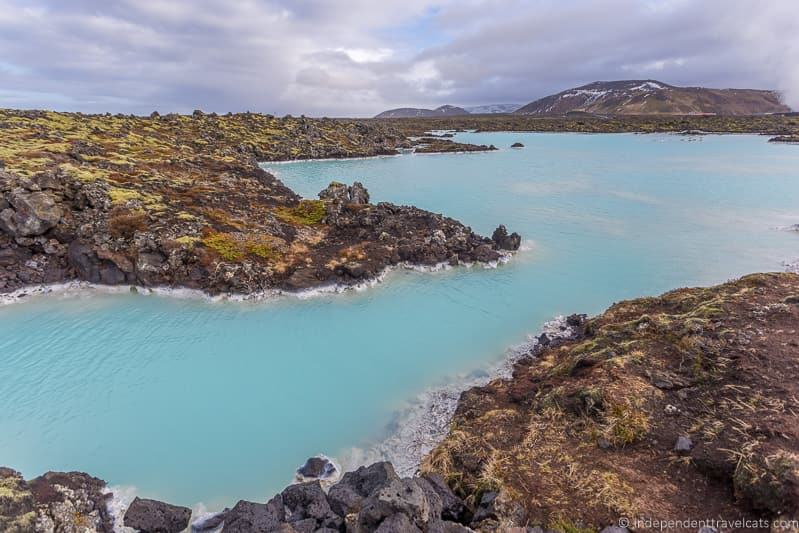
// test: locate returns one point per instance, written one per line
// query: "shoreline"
(264, 164)
(423, 422)
(78, 288)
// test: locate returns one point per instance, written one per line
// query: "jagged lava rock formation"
(180, 201)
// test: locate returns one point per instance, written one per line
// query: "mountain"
(492, 108)
(410, 112)
(651, 97)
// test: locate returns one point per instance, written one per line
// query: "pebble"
(683, 444)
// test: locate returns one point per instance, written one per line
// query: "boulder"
(13, 256)
(250, 517)
(485, 509)
(120, 260)
(91, 268)
(71, 501)
(445, 526)
(335, 192)
(358, 194)
(149, 267)
(398, 496)
(485, 253)
(151, 516)
(33, 213)
(433, 499)
(517, 145)
(503, 241)
(452, 507)
(397, 523)
(343, 194)
(48, 180)
(305, 501)
(318, 468)
(347, 495)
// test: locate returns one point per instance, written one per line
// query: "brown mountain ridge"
(652, 97)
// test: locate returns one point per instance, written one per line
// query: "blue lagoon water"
(197, 401)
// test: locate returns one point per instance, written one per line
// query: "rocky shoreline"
(372, 498)
(777, 124)
(665, 408)
(78, 287)
(785, 139)
(181, 202)
(673, 407)
(369, 498)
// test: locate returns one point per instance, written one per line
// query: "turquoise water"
(198, 401)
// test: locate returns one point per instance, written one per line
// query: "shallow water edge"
(416, 429)
(78, 288)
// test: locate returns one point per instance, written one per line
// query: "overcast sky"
(359, 57)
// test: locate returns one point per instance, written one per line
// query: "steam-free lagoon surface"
(193, 401)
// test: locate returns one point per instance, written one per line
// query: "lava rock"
(340, 193)
(71, 501)
(33, 213)
(335, 192)
(93, 269)
(503, 241)
(445, 526)
(398, 496)
(317, 467)
(433, 499)
(250, 517)
(16, 502)
(151, 516)
(358, 194)
(397, 523)
(517, 145)
(485, 509)
(307, 500)
(347, 495)
(452, 507)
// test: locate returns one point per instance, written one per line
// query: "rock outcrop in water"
(787, 139)
(180, 202)
(438, 145)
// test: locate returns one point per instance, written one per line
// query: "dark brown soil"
(586, 433)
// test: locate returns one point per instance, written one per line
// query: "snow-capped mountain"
(647, 97)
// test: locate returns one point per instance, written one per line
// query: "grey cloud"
(345, 58)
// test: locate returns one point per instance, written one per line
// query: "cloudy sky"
(359, 57)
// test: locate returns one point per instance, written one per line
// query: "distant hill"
(410, 112)
(492, 108)
(651, 97)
